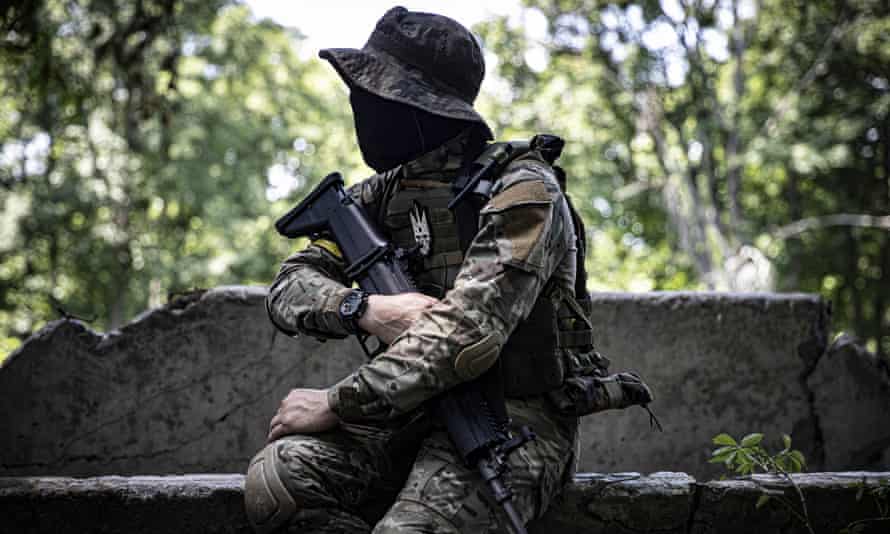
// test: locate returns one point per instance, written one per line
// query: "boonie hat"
(421, 59)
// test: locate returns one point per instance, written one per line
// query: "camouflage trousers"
(405, 480)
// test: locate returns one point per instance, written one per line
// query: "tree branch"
(808, 77)
(734, 170)
(837, 219)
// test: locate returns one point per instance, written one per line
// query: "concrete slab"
(190, 387)
(619, 503)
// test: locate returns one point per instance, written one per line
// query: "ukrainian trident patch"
(421, 227)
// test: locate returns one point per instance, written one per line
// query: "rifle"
(475, 412)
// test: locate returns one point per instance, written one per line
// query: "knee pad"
(268, 503)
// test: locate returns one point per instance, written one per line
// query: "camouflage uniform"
(388, 464)
(342, 480)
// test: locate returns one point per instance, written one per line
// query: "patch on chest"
(421, 226)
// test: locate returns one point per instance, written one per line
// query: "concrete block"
(851, 397)
(126, 505)
(190, 387)
(620, 503)
(717, 362)
(833, 501)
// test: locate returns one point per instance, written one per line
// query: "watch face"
(350, 304)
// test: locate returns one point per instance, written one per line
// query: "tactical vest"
(550, 343)
(420, 204)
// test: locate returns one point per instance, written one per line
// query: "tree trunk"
(734, 171)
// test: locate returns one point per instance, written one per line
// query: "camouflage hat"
(424, 60)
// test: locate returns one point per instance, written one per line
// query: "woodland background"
(147, 146)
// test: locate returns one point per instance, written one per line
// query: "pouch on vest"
(530, 361)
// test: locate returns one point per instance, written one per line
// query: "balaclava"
(391, 133)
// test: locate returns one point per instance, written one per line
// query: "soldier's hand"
(303, 411)
(388, 316)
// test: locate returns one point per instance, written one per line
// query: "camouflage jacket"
(525, 239)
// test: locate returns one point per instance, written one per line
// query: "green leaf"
(717, 460)
(723, 451)
(729, 459)
(724, 439)
(752, 440)
(786, 441)
(799, 459)
(783, 462)
(745, 457)
(763, 499)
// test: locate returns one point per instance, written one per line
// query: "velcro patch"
(522, 212)
(330, 246)
(524, 227)
(527, 192)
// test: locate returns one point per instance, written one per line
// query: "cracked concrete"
(622, 503)
(717, 362)
(185, 388)
(619, 503)
(847, 376)
(729, 506)
(190, 387)
(811, 351)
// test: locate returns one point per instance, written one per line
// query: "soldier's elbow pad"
(475, 359)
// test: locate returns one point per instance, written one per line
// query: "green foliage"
(748, 455)
(692, 159)
(147, 147)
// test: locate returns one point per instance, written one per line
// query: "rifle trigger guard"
(526, 434)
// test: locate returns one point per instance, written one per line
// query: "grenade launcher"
(475, 412)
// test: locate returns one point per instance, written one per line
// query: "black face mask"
(391, 133)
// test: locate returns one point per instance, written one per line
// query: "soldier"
(364, 452)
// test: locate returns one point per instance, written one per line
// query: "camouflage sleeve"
(522, 237)
(306, 294)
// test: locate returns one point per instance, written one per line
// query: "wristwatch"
(352, 307)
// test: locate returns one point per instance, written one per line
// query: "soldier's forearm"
(306, 294)
(451, 343)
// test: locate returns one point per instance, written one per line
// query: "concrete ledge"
(134, 505)
(190, 387)
(594, 503)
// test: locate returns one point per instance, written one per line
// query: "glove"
(584, 395)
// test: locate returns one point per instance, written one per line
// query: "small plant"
(747, 456)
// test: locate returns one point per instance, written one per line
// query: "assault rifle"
(475, 412)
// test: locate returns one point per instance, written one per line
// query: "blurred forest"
(146, 147)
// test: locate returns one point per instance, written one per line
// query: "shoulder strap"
(581, 240)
